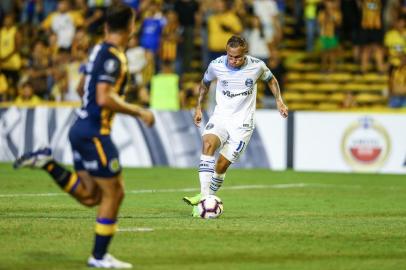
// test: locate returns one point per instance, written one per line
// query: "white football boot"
(108, 261)
(36, 159)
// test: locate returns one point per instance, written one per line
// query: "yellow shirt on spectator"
(399, 81)
(3, 84)
(371, 14)
(7, 45)
(217, 24)
(328, 23)
(34, 101)
(396, 43)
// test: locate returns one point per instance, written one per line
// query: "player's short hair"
(118, 17)
(237, 41)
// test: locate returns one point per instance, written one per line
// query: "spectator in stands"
(329, 19)
(39, 69)
(75, 68)
(244, 11)
(63, 23)
(267, 11)
(205, 11)
(257, 41)
(165, 89)
(350, 27)
(151, 30)
(186, 11)
(223, 24)
(10, 59)
(391, 12)
(32, 12)
(371, 34)
(171, 35)
(59, 77)
(137, 61)
(395, 42)
(53, 46)
(397, 89)
(26, 95)
(310, 15)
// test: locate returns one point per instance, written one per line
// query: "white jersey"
(236, 89)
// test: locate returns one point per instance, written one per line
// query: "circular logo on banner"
(365, 145)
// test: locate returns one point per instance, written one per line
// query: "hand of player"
(198, 117)
(147, 117)
(283, 109)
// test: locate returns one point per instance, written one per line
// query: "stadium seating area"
(184, 41)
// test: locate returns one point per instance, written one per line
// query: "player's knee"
(208, 147)
(90, 202)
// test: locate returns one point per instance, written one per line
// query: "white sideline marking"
(135, 229)
(174, 190)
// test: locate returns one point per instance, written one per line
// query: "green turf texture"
(335, 221)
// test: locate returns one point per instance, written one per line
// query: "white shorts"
(234, 139)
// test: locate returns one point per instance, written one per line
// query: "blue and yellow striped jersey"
(106, 64)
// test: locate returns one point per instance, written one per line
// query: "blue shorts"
(96, 154)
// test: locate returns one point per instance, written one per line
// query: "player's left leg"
(106, 222)
(219, 174)
(229, 154)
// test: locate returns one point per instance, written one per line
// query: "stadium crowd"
(44, 43)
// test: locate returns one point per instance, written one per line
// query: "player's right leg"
(106, 223)
(206, 167)
(76, 184)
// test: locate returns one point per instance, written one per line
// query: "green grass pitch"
(271, 220)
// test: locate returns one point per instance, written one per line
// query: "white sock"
(216, 182)
(206, 169)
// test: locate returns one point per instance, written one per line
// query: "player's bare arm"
(276, 91)
(107, 98)
(80, 88)
(203, 90)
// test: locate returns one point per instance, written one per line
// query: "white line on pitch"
(170, 190)
(135, 229)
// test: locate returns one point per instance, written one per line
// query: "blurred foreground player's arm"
(107, 98)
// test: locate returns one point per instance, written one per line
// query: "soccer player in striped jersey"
(97, 178)
(232, 123)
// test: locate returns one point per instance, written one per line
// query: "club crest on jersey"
(224, 83)
(114, 165)
(249, 82)
(110, 65)
(209, 126)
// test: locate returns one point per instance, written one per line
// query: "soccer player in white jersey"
(232, 123)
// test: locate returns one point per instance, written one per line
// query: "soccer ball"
(210, 207)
